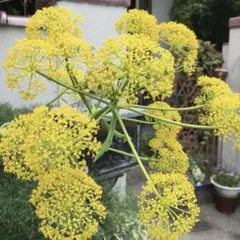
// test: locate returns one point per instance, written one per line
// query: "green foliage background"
(207, 18)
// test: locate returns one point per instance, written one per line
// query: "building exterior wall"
(231, 157)
(99, 20)
(161, 9)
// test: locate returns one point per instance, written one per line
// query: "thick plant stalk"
(166, 109)
(107, 143)
(56, 98)
(100, 113)
(103, 123)
(135, 154)
(138, 121)
(82, 96)
(131, 155)
(173, 122)
(72, 88)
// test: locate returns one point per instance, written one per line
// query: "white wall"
(225, 51)
(98, 24)
(231, 157)
(161, 9)
(234, 60)
(99, 20)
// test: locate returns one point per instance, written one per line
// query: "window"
(141, 4)
(23, 7)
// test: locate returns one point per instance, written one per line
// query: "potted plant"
(226, 190)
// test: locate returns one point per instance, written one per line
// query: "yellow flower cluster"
(52, 22)
(50, 146)
(164, 145)
(173, 212)
(35, 143)
(24, 60)
(68, 204)
(211, 88)
(172, 158)
(53, 46)
(182, 43)
(127, 65)
(222, 108)
(138, 22)
(70, 61)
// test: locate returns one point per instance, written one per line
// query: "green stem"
(4, 125)
(2, 128)
(56, 98)
(99, 112)
(108, 141)
(131, 155)
(74, 82)
(104, 124)
(135, 154)
(167, 109)
(103, 113)
(179, 209)
(173, 122)
(72, 88)
(138, 121)
(172, 212)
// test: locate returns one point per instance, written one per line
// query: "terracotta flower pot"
(226, 205)
(226, 198)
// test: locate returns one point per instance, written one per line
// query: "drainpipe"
(11, 20)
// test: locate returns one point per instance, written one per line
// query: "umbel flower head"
(24, 60)
(127, 65)
(68, 204)
(51, 22)
(172, 158)
(69, 64)
(53, 46)
(35, 143)
(138, 22)
(171, 213)
(221, 110)
(182, 42)
(29, 57)
(210, 89)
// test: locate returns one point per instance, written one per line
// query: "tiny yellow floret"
(173, 212)
(68, 204)
(35, 143)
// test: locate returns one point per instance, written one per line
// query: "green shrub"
(7, 112)
(207, 18)
(122, 220)
(17, 217)
(208, 59)
(18, 220)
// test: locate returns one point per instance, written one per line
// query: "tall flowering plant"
(51, 146)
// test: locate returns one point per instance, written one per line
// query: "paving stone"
(236, 236)
(202, 226)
